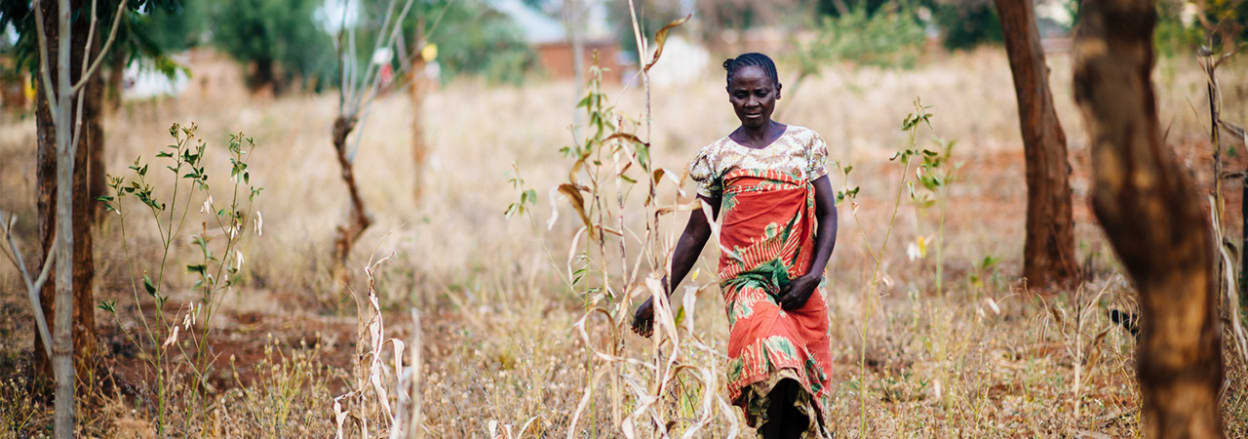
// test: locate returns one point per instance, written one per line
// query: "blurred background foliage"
(291, 44)
(279, 38)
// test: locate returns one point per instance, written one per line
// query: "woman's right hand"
(643, 318)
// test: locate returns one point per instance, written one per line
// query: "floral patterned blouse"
(799, 152)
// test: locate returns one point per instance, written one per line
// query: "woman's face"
(753, 96)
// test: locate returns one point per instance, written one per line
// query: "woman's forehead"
(749, 76)
(749, 82)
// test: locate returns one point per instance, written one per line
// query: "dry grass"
(501, 354)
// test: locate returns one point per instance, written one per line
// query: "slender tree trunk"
(1151, 213)
(1049, 250)
(574, 25)
(418, 90)
(347, 234)
(48, 192)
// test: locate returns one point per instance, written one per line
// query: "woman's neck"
(760, 134)
(758, 137)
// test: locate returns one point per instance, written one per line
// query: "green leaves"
(148, 286)
(883, 38)
(528, 196)
(109, 306)
(920, 115)
(847, 193)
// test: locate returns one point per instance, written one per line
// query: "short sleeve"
(702, 171)
(816, 158)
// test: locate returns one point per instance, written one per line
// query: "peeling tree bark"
(1049, 250)
(360, 219)
(1151, 213)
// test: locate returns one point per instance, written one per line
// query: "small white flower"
(259, 224)
(207, 205)
(172, 337)
(917, 249)
(238, 266)
(993, 304)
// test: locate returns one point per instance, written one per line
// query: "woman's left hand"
(799, 291)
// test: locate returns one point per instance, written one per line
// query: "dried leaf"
(624, 136)
(578, 202)
(660, 39)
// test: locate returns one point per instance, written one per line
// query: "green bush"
(474, 39)
(885, 39)
(964, 26)
(281, 37)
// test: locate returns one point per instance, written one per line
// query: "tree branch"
(44, 71)
(32, 285)
(112, 35)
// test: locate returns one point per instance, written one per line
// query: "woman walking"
(768, 183)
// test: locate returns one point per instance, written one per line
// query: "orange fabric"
(767, 237)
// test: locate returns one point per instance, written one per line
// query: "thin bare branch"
(44, 71)
(86, 55)
(33, 286)
(112, 36)
(373, 76)
(385, 38)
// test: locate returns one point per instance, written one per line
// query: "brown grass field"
(501, 354)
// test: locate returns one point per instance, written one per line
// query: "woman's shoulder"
(712, 149)
(804, 135)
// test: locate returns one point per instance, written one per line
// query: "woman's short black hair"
(752, 59)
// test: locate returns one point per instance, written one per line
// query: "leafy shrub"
(966, 26)
(887, 38)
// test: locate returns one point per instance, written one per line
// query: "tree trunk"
(574, 26)
(93, 132)
(1049, 250)
(264, 76)
(116, 78)
(347, 234)
(1151, 213)
(46, 188)
(418, 89)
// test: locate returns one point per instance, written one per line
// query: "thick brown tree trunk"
(93, 131)
(1151, 213)
(116, 78)
(45, 175)
(1049, 250)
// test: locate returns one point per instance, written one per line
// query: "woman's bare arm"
(688, 247)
